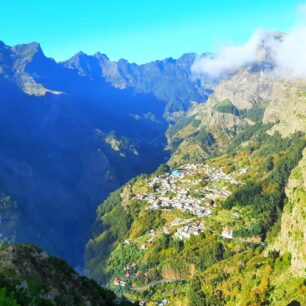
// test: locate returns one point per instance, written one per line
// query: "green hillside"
(29, 276)
(226, 226)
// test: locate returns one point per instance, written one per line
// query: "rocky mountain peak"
(265, 52)
(2, 44)
(101, 57)
(28, 50)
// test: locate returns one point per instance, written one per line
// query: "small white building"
(122, 284)
(227, 233)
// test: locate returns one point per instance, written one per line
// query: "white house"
(227, 233)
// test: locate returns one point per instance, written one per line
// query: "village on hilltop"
(192, 188)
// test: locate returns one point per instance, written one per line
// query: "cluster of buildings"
(191, 188)
(131, 271)
(183, 203)
(192, 229)
(171, 189)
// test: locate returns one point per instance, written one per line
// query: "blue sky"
(139, 30)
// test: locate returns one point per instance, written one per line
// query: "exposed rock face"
(292, 237)
(243, 91)
(256, 86)
(247, 88)
(16, 63)
(212, 118)
(288, 106)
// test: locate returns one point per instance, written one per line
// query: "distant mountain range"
(71, 132)
(169, 80)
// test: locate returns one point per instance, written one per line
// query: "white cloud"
(229, 58)
(288, 54)
(291, 54)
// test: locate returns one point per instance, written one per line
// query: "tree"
(164, 168)
(7, 300)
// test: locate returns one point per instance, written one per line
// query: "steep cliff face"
(244, 99)
(237, 102)
(288, 109)
(292, 236)
(287, 106)
(247, 88)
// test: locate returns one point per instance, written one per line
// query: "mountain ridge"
(120, 74)
(56, 159)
